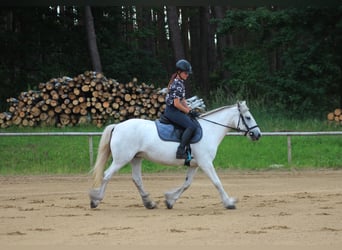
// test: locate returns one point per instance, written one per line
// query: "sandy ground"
(275, 209)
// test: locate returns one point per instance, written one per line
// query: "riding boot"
(185, 140)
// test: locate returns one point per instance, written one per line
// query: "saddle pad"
(168, 132)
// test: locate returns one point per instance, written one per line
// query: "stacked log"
(335, 116)
(87, 98)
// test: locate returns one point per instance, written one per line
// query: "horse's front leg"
(228, 202)
(137, 179)
(172, 196)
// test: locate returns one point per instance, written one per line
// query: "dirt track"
(275, 209)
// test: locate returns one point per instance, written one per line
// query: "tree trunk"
(221, 42)
(212, 45)
(175, 32)
(204, 36)
(185, 31)
(195, 46)
(145, 25)
(90, 29)
(163, 45)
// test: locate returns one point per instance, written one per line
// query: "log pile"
(87, 98)
(335, 116)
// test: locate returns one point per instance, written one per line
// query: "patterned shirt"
(177, 90)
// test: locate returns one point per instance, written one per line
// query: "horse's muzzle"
(254, 135)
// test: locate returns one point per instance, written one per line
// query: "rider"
(177, 109)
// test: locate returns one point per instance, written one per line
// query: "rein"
(236, 129)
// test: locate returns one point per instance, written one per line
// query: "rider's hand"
(193, 113)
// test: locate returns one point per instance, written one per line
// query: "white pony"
(136, 139)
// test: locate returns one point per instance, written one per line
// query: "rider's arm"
(181, 105)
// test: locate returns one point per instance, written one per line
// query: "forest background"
(289, 60)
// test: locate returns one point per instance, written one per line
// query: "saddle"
(168, 131)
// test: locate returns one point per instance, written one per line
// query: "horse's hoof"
(231, 203)
(151, 205)
(168, 204)
(94, 204)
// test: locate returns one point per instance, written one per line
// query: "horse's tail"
(102, 155)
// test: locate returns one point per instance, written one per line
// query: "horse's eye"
(248, 118)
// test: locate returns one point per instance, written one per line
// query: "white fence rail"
(289, 134)
(92, 134)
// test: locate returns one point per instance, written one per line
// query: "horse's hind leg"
(172, 196)
(137, 179)
(96, 194)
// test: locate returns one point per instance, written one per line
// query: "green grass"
(37, 154)
(271, 152)
(65, 154)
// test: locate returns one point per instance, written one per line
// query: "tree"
(204, 43)
(194, 30)
(291, 55)
(175, 32)
(146, 34)
(221, 43)
(91, 35)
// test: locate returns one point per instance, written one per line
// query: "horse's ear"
(238, 104)
(241, 103)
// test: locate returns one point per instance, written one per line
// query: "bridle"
(248, 131)
(238, 129)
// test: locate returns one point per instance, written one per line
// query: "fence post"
(289, 150)
(91, 155)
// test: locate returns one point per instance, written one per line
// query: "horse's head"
(247, 123)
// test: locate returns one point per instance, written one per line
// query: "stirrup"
(188, 158)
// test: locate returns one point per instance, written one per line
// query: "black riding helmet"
(184, 65)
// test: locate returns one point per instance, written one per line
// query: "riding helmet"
(184, 65)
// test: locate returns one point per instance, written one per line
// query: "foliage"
(121, 59)
(125, 63)
(40, 43)
(247, 68)
(37, 47)
(287, 57)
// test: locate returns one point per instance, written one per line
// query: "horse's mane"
(216, 110)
